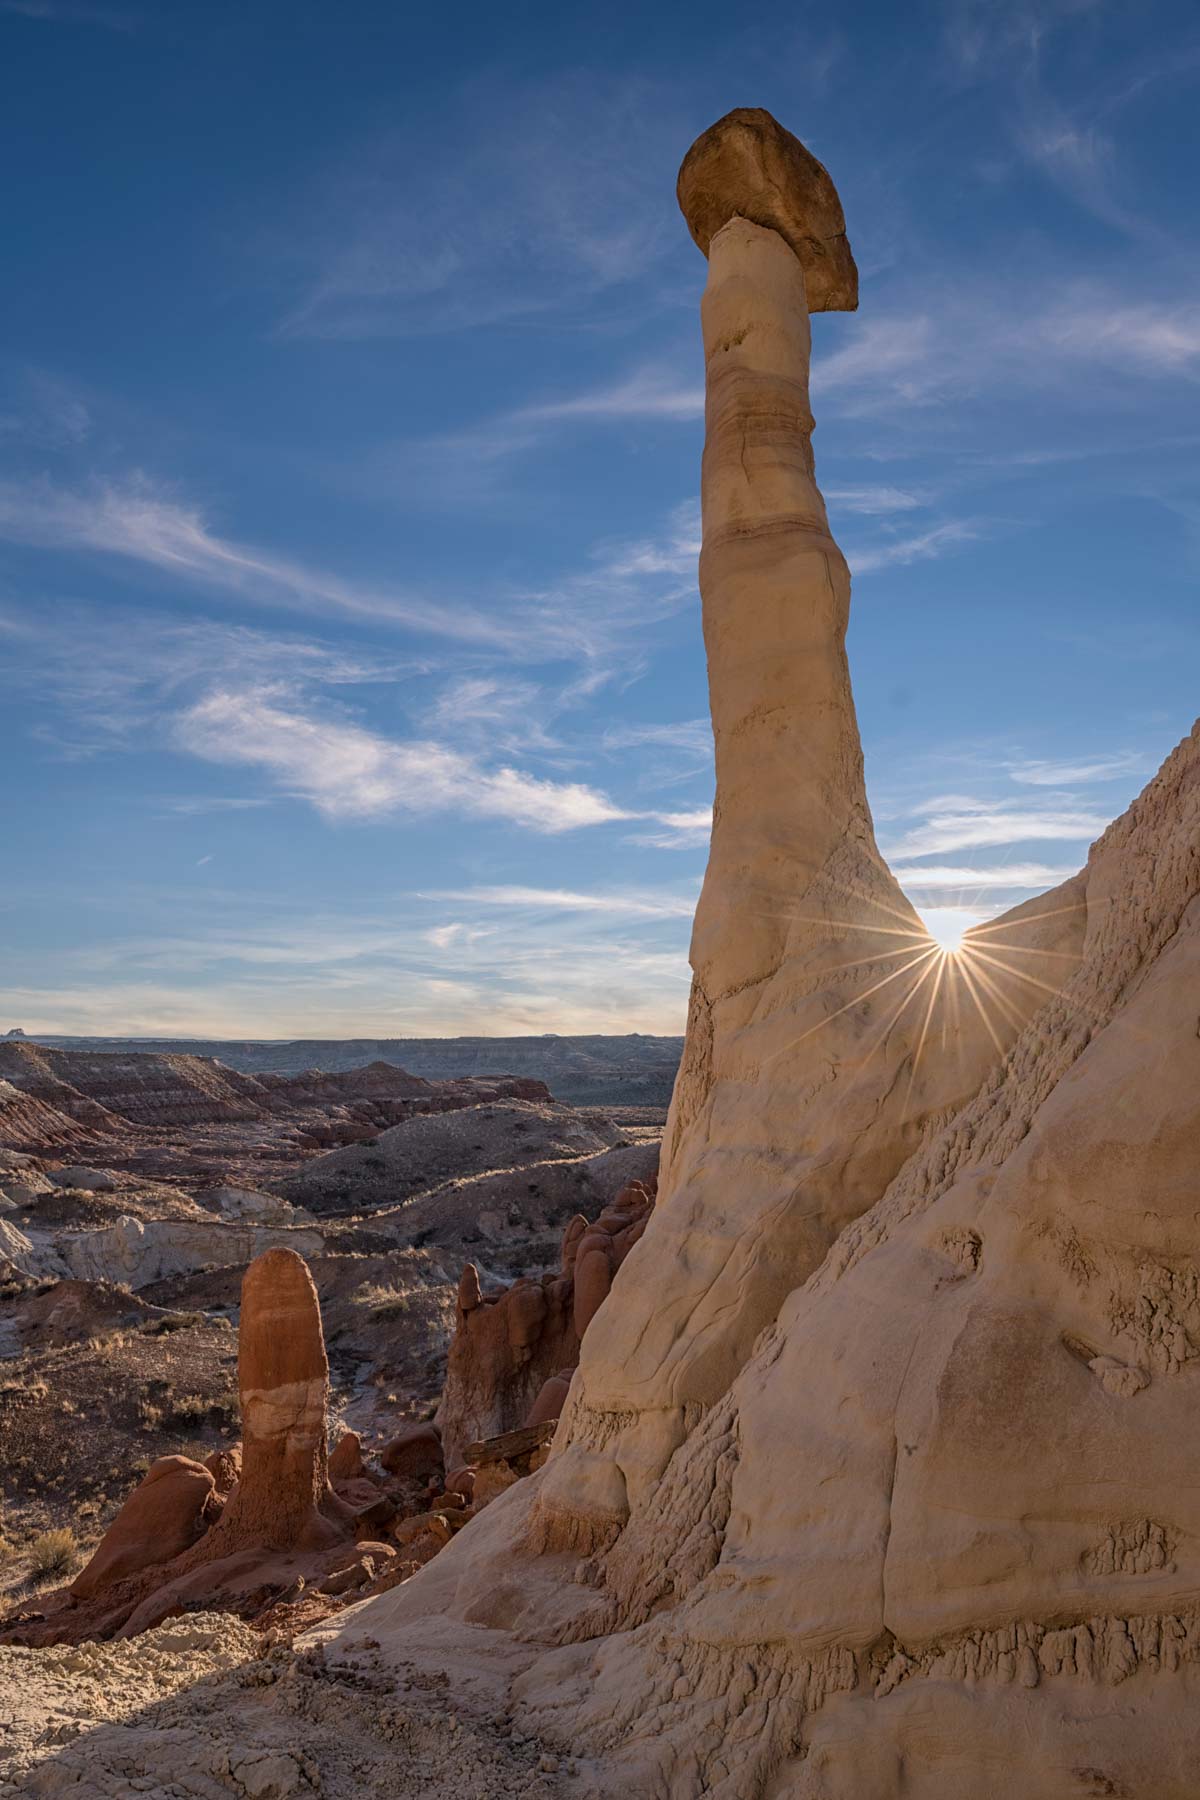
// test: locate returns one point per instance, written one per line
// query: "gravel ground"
(201, 1709)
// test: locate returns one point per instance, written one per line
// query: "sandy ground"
(199, 1709)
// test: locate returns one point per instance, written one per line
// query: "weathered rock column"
(283, 1498)
(817, 1049)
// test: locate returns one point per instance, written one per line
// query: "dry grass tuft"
(54, 1553)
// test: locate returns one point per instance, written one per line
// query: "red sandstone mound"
(173, 1506)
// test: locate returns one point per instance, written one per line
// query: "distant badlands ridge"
(598, 1070)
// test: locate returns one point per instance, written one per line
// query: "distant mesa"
(15, 1032)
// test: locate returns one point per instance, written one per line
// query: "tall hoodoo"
(818, 1048)
(878, 1451)
(283, 1376)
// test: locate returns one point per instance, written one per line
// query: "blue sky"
(350, 422)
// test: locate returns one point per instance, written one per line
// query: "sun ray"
(915, 932)
(1007, 1007)
(969, 983)
(1019, 974)
(939, 970)
(855, 1000)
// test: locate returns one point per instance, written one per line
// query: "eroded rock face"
(512, 1354)
(879, 1454)
(141, 1251)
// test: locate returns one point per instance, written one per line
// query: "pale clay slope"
(875, 1480)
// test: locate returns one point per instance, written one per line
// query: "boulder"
(415, 1453)
(345, 1460)
(551, 1399)
(173, 1506)
(91, 1181)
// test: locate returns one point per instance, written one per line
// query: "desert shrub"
(190, 1406)
(191, 1411)
(54, 1552)
(384, 1302)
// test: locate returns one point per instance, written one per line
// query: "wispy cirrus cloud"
(941, 876)
(694, 737)
(136, 520)
(874, 500)
(271, 973)
(885, 361)
(349, 772)
(634, 903)
(98, 696)
(956, 822)
(922, 546)
(647, 394)
(490, 447)
(675, 551)
(687, 830)
(1159, 338)
(545, 197)
(1040, 772)
(41, 410)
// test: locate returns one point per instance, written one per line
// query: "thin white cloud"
(633, 904)
(957, 823)
(878, 501)
(495, 710)
(346, 771)
(674, 552)
(134, 520)
(1158, 339)
(886, 360)
(690, 830)
(922, 547)
(103, 698)
(693, 736)
(44, 411)
(189, 806)
(1040, 773)
(590, 614)
(282, 975)
(914, 879)
(544, 197)
(644, 395)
